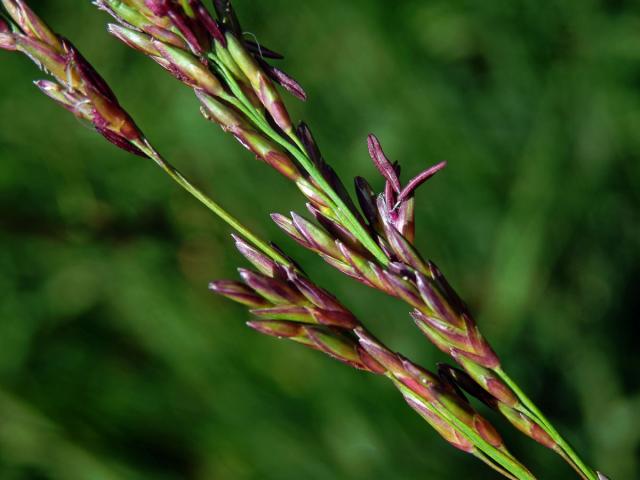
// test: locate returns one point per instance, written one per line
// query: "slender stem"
(214, 206)
(571, 463)
(491, 464)
(580, 466)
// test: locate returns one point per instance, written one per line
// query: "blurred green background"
(115, 361)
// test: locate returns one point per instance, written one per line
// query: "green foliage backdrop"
(115, 361)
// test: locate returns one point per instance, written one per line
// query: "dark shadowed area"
(117, 363)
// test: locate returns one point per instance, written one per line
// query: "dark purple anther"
(261, 51)
(418, 180)
(281, 78)
(382, 163)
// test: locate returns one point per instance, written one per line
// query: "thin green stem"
(214, 206)
(493, 465)
(580, 466)
(572, 464)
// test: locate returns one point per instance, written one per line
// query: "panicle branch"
(235, 86)
(288, 305)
